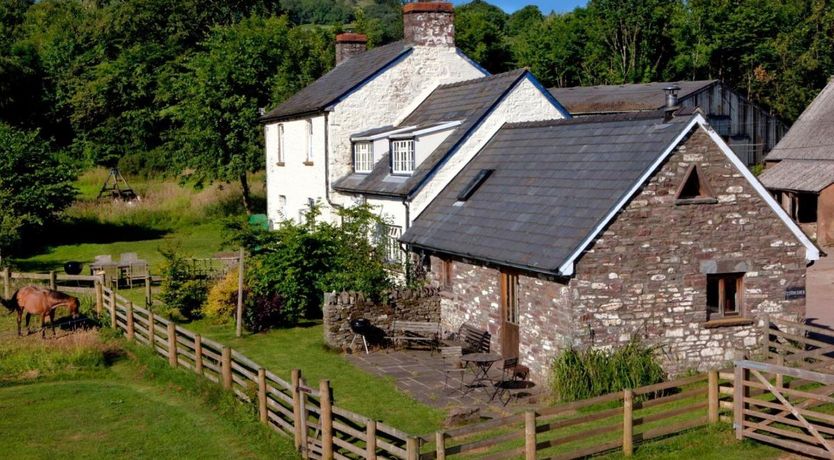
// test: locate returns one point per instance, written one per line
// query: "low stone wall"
(402, 304)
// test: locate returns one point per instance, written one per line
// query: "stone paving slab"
(420, 374)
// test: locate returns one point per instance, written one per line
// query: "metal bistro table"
(481, 364)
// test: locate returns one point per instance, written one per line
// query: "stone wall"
(646, 275)
(403, 305)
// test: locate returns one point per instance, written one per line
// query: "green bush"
(181, 293)
(592, 372)
(298, 262)
(222, 299)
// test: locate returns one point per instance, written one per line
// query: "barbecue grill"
(361, 327)
(72, 268)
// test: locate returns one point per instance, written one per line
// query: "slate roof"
(553, 183)
(799, 175)
(343, 78)
(812, 136)
(467, 101)
(622, 98)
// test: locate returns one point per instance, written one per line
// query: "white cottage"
(393, 125)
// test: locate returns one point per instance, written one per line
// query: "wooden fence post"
(172, 344)
(326, 419)
(740, 376)
(780, 379)
(628, 423)
(302, 404)
(440, 443)
(530, 435)
(412, 448)
(712, 394)
(239, 312)
(152, 330)
(226, 367)
(370, 446)
(113, 323)
(99, 298)
(129, 325)
(262, 409)
(198, 354)
(148, 298)
(296, 406)
(765, 337)
(53, 280)
(7, 283)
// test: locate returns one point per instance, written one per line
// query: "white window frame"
(309, 154)
(282, 207)
(363, 157)
(279, 142)
(402, 156)
(393, 253)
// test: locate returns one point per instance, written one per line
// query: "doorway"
(509, 315)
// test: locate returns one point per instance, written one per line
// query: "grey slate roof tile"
(339, 81)
(622, 98)
(465, 101)
(812, 136)
(553, 183)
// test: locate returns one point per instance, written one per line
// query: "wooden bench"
(415, 331)
(471, 339)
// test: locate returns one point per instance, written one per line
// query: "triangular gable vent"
(694, 188)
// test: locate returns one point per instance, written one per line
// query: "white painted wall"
(295, 180)
(426, 144)
(525, 102)
(381, 101)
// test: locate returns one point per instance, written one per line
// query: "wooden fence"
(322, 429)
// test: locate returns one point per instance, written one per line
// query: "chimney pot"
(350, 44)
(671, 102)
(429, 23)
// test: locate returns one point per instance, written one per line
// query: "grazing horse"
(34, 300)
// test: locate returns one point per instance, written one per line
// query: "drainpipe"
(327, 161)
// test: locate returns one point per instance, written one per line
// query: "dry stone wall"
(403, 305)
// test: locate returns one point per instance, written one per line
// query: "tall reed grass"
(593, 372)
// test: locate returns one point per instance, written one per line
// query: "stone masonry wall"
(404, 305)
(646, 275)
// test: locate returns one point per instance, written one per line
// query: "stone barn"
(590, 231)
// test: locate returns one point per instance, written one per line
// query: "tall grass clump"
(592, 372)
(31, 357)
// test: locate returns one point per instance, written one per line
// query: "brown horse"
(34, 300)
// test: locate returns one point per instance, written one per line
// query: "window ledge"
(308, 163)
(728, 322)
(702, 200)
(280, 163)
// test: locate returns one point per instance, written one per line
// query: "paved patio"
(420, 374)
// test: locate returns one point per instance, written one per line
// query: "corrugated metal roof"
(799, 175)
(467, 101)
(338, 82)
(812, 136)
(622, 98)
(553, 183)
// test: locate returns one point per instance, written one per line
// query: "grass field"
(169, 214)
(281, 350)
(83, 396)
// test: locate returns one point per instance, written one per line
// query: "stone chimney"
(348, 45)
(429, 23)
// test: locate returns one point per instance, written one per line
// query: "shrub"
(182, 294)
(263, 313)
(585, 374)
(222, 298)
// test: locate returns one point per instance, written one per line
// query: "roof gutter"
(487, 260)
(294, 116)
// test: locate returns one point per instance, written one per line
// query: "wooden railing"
(587, 427)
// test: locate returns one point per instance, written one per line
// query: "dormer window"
(402, 156)
(363, 157)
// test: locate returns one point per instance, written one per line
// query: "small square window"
(279, 141)
(725, 295)
(363, 157)
(402, 156)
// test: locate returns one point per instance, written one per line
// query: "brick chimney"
(348, 45)
(428, 23)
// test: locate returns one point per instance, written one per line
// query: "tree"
(34, 187)
(480, 33)
(218, 136)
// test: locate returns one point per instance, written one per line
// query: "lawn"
(281, 350)
(81, 396)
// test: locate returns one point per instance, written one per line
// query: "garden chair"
(138, 271)
(128, 257)
(112, 275)
(452, 364)
(513, 380)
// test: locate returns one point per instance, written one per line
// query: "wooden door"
(509, 315)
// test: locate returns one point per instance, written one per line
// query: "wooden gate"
(799, 418)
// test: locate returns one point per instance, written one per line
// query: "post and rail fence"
(321, 429)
